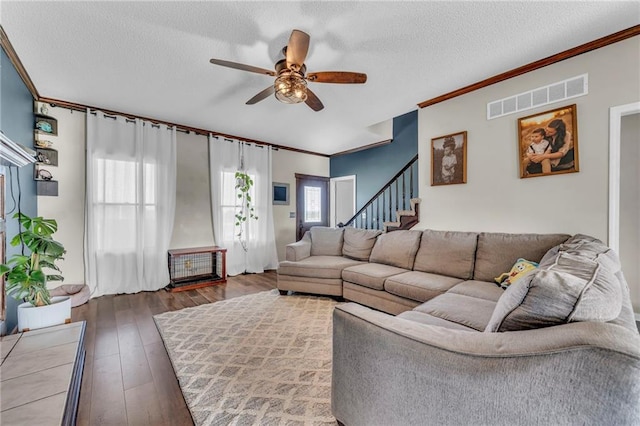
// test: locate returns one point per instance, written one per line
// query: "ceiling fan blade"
(313, 101)
(242, 67)
(262, 95)
(341, 77)
(297, 48)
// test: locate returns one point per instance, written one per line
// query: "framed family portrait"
(449, 159)
(548, 142)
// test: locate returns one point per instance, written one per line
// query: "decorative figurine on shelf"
(43, 143)
(44, 174)
(44, 110)
(44, 126)
(41, 158)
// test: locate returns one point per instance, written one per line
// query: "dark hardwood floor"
(128, 378)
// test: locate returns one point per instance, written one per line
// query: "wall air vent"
(555, 92)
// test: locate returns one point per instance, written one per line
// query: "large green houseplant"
(25, 278)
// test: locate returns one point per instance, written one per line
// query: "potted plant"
(245, 208)
(26, 280)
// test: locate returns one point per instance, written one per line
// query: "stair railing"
(393, 196)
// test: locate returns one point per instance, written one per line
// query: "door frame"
(332, 197)
(299, 199)
(615, 123)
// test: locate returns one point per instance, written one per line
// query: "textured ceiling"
(152, 58)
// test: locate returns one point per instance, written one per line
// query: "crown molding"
(579, 50)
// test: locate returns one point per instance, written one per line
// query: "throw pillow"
(582, 283)
(519, 270)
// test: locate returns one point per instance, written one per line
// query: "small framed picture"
(280, 194)
(548, 142)
(449, 159)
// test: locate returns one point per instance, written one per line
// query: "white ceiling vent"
(556, 92)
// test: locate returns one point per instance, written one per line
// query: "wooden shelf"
(41, 121)
(47, 187)
(49, 156)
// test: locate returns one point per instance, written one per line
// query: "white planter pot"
(32, 317)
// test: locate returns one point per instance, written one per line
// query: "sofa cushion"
(447, 253)
(478, 289)
(317, 266)
(461, 309)
(422, 318)
(358, 243)
(326, 241)
(581, 284)
(498, 252)
(370, 275)
(397, 248)
(420, 286)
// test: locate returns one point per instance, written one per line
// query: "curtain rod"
(130, 120)
(181, 128)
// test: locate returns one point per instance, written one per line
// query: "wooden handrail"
(381, 191)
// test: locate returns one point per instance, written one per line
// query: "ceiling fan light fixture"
(291, 88)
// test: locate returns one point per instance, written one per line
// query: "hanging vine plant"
(246, 209)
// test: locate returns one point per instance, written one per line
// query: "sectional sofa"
(444, 344)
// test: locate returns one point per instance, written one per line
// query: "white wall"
(494, 197)
(192, 225)
(68, 207)
(285, 165)
(630, 204)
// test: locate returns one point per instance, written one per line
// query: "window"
(231, 205)
(312, 204)
(120, 198)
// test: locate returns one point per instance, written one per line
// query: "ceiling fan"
(290, 85)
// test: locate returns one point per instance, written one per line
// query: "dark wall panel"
(16, 121)
(376, 166)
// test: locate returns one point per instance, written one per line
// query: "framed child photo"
(449, 159)
(548, 142)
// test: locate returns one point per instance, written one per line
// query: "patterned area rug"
(259, 359)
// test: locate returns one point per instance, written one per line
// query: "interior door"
(312, 203)
(342, 199)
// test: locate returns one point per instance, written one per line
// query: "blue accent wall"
(374, 167)
(16, 121)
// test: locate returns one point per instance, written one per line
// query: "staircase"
(394, 207)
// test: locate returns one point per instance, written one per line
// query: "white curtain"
(225, 158)
(130, 204)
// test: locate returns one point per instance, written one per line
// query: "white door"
(630, 203)
(624, 193)
(342, 199)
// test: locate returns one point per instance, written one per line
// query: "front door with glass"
(312, 203)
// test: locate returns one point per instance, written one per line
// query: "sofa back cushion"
(581, 283)
(326, 241)
(498, 252)
(447, 253)
(397, 248)
(358, 243)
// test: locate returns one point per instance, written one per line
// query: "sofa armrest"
(299, 250)
(388, 370)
